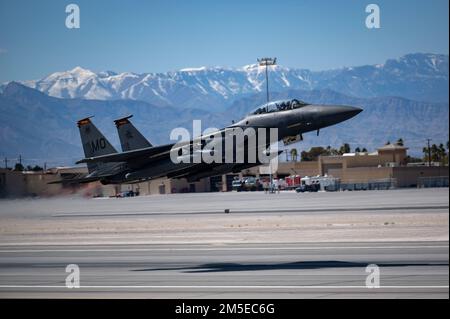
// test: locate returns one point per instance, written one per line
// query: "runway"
(289, 270)
(284, 245)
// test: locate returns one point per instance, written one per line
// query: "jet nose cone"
(348, 112)
(343, 113)
(338, 113)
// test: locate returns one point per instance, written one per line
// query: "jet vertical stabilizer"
(94, 142)
(130, 137)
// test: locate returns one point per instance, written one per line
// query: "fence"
(379, 184)
(438, 181)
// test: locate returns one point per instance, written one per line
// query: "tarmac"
(284, 245)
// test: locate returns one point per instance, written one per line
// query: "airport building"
(16, 184)
(388, 163)
(30, 183)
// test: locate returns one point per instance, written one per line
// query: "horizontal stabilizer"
(134, 155)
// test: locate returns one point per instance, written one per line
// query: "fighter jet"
(140, 160)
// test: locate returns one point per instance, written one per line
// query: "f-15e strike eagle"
(140, 160)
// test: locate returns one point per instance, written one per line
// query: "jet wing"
(135, 155)
(81, 180)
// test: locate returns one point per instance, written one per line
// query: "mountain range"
(405, 97)
(422, 77)
(42, 128)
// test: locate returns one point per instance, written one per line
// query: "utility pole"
(267, 62)
(429, 152)
(6, 163)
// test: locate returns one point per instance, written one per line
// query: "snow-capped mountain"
(42, 128)
(418, 76)
(203, 88)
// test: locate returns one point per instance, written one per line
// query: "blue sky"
(165, 35)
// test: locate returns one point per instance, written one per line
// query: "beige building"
(388, 162)
(166, 186)
(29, 183)
(288, 168)
(12, 184)
(390, 155)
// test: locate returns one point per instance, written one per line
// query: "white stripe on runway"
(223, 287)
(217, 249)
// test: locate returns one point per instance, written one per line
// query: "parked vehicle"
(129, 193)
(246, 184)
(237, 185)
(293, 181)
(315, 183)
(314, 187)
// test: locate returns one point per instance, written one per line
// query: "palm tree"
(438, 153)
(345, 149)
(442, 154)
(425, 154)
(294, 154)
(19, 167)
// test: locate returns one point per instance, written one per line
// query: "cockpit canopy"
(277, 106)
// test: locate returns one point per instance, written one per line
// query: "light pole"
(267, 62)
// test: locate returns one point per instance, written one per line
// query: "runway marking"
(217, 249)
(223, 287)
(262, 211)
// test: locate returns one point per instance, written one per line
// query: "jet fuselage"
(290, 118)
